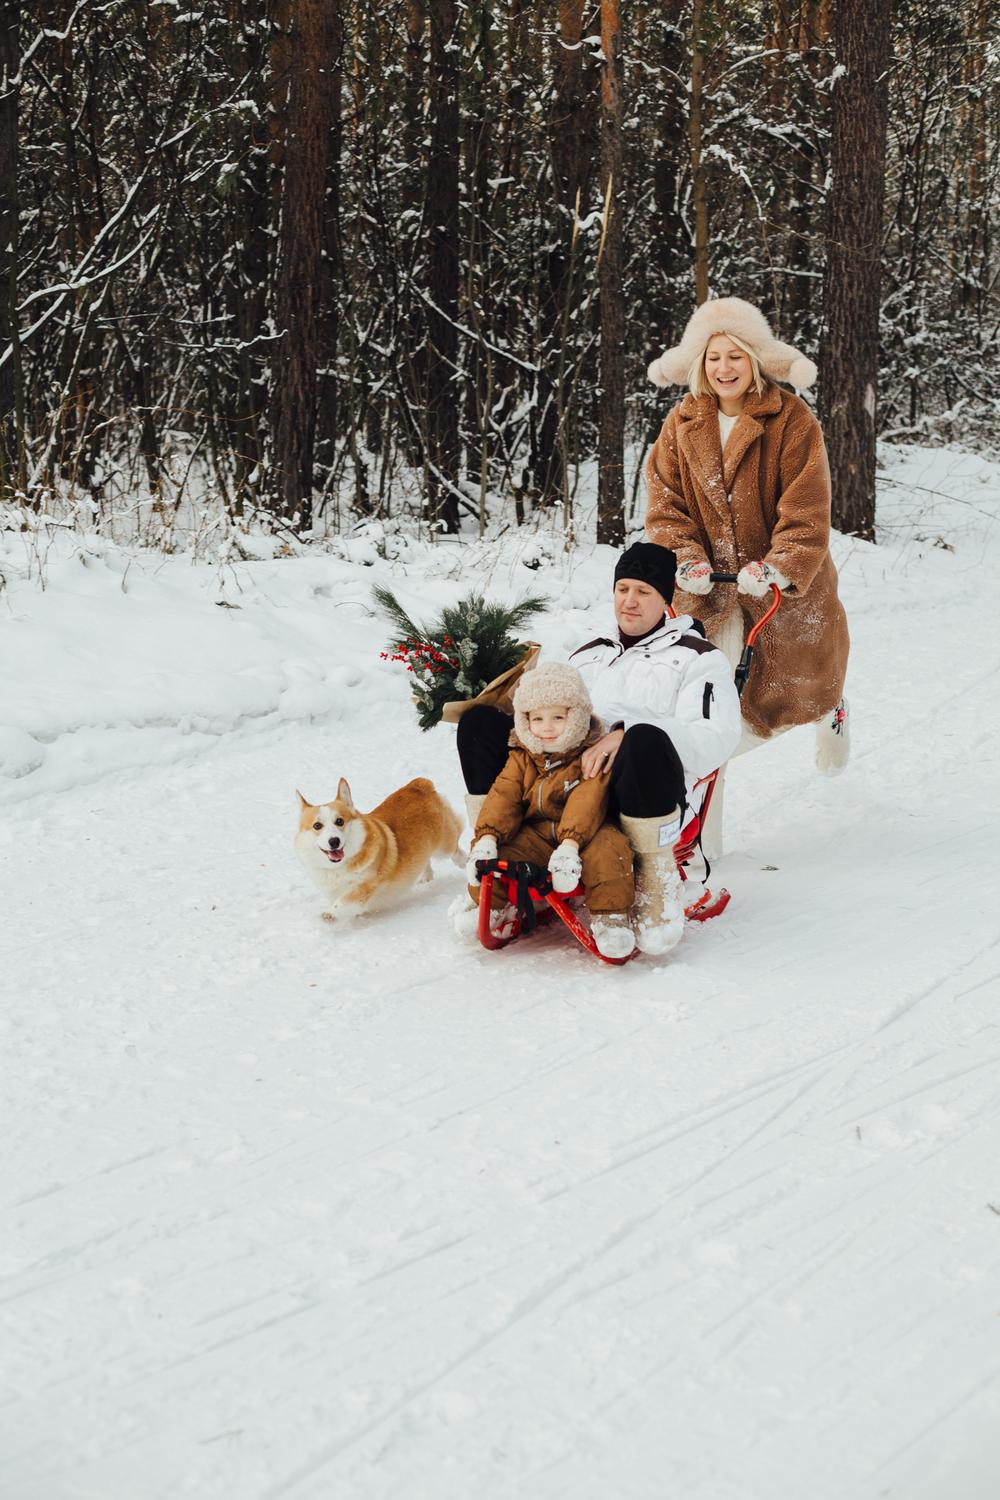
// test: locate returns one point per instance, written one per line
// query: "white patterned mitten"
(695, 577)
(756, 579)
(565, 867)
(484, 847)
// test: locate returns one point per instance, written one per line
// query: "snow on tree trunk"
(442, 219)
(850, 350)
(299, 271)
(611, 439)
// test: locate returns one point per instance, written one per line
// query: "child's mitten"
(484, 847)
(565, 867)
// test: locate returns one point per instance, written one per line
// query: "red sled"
(529, 889)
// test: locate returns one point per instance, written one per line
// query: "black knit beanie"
(649, 563)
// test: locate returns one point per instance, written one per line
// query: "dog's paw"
(329, 916)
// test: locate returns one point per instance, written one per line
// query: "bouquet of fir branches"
(459, 654)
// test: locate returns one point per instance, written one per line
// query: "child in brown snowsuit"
(541, 809)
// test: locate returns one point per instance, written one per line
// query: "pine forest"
(304, 263)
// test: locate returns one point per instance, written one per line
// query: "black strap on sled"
(526, 877)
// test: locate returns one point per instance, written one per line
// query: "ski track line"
(521, 1309)
(943, 1416)
(937, 984)
(741, 1100)
(824, 1078)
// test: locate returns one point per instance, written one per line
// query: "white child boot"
(612, 933)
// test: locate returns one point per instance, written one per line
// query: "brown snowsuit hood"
(768, 501)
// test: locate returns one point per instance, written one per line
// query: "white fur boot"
(658, 915)
(473, 807)
(463, 914)
(612, 933)
(833, 740)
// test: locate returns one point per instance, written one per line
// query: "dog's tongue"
(334, 855)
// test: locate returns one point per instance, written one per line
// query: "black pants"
(647, 778)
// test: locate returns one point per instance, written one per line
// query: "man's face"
(638, 606)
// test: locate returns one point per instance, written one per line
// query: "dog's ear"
(344, 793)
(302, 800)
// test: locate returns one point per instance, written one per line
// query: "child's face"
(547, 724)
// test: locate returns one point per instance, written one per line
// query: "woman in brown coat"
(739, 483)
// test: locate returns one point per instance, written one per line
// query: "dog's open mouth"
(334, 855)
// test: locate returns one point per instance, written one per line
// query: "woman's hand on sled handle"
(483, 848)
(756, 579)
(695, 577)
(565, 867)
(600, 756)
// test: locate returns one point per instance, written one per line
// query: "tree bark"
(11, 392)
(572, 146)
(443, 268)
(328, 413)
(671, 243)
(699, 185)
(850, 346)
(299, 272)
(611, 439)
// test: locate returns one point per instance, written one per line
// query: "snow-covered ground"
(296, 1211)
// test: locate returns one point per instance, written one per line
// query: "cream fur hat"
(553, 684)
(734, 316)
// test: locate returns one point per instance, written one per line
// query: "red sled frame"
(552, 902)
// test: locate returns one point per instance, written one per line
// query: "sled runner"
(529, 888)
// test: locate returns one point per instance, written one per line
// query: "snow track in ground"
(293, 1211)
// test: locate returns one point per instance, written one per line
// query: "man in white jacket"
(675, 715)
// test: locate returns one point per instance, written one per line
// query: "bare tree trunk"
(810, 105)
(443, 267)
(699, 186)
(299, 273)
(11, 384)
(328, 413)
(572, 145)
(611, 440)
(850, 347)
(671, 244)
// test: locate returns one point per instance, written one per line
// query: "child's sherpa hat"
(734, 316)
(553, 684)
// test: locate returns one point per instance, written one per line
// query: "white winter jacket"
(674, 679)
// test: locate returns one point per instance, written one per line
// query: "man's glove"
(483, 848)
(695, 577)
(756, 579)
(565, 867)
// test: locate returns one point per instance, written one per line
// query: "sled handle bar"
(743, 670)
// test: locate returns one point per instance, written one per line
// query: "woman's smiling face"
(728, 370)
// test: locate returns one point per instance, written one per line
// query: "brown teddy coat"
(768, 502)
(539, 800)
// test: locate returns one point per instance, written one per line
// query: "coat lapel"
(747, 430)
(698, 440)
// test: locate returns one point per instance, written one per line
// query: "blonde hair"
(698, 385)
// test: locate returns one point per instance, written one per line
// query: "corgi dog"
(358, 859)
